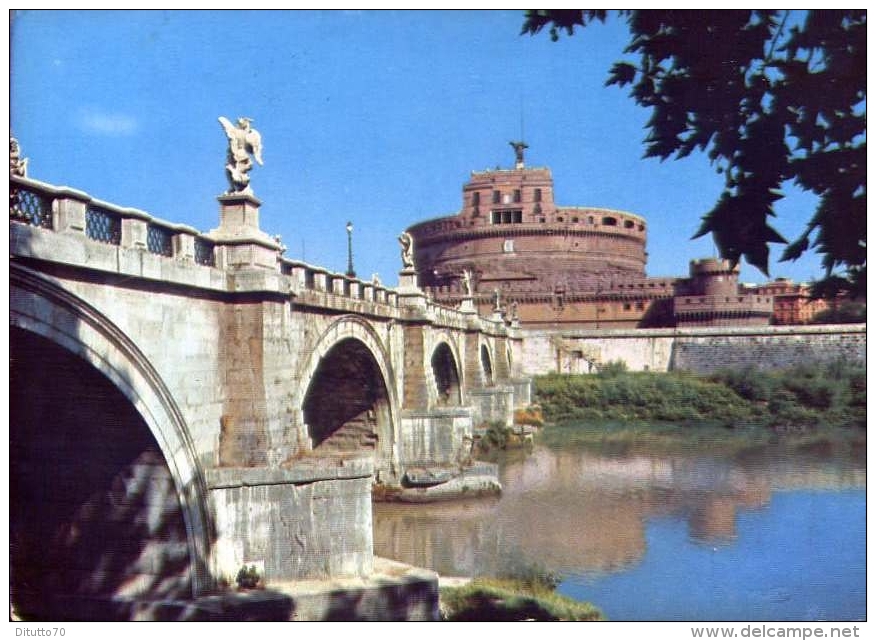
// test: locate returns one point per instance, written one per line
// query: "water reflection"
(578, 511)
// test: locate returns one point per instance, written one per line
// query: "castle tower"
(512, 236)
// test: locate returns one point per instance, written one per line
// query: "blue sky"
(376, 117)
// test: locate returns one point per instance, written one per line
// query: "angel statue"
(243, 140)
(467, 282)
(17, 164)
(519, 146)
(407, 250)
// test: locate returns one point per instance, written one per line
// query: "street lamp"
(350, 271)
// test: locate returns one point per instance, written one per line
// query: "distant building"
(541, 264)
(793, 304)
(713, 297)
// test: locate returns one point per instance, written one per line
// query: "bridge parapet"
(66, 210)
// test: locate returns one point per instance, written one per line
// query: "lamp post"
(350, 271)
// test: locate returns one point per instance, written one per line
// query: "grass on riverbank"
(512, 600)
(806, 397)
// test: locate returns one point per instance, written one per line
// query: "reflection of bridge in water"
(577, 511)
(186, 403)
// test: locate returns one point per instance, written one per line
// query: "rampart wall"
(694, 349)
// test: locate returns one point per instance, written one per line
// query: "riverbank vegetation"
(496, 436)
(512, 600)
(656, 407)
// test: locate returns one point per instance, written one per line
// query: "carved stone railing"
(312, 278)
(66, 210)
(29, 206)
(103, 225)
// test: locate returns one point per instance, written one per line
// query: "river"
(766, 533)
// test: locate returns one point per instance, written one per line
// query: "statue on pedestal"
(467, 286)
(497, 301)
(17, 164)
(407, 250)
(519, 146)
(243, 140)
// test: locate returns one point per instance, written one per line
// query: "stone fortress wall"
(701, 350)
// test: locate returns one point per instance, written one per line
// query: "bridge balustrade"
(318, 279)
(204, 252)
(159, 240)
(30, 207)
(62, 209)
(103, 225)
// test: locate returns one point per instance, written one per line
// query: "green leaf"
(767, 102)
(622, 73)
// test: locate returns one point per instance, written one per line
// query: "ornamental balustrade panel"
(103, 225)
(30, 207)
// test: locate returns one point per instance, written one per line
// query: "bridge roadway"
(185, 404)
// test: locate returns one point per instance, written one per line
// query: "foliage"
(612, 368)
(770, 98)
(636, 396)
(818, 394)
(496, 436)
(248, 577)
(512, 600)
(845, 312)
(834, 392)
(530, 416)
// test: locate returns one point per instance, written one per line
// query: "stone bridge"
(185, 404)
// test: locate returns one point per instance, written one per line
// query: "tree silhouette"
(770, 96)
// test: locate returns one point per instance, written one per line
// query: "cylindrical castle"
(511, 249)
(513, 237)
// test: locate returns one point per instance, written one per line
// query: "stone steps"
(356, 434)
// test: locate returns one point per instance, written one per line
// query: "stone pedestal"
(407, 281)
(409, 292)
(311, 520)
(467, 306)
(239, 214)
(239, 241)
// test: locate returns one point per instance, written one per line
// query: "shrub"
(806, 395)
(530, 416)
(749, 383)
(248, 578)
(611, 368)
(503, 600)
(495, 438)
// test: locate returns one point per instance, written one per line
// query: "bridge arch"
(51, 320)
(487, 365)
(347, 395)
(446, 372)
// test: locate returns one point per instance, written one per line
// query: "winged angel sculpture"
(243, 140)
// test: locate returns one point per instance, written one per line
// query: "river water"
(768, 533)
